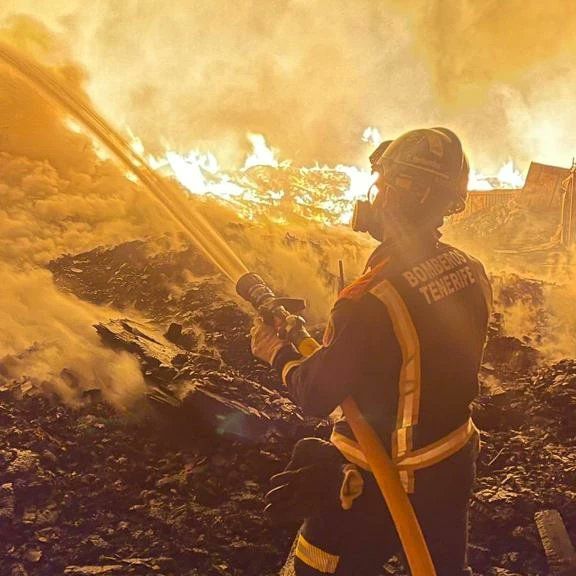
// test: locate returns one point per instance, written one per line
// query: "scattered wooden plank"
(556, 542)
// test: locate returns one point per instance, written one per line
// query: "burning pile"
(263, 187)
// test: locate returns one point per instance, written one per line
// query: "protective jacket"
(406, 341)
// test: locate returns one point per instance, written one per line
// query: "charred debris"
(177, 486)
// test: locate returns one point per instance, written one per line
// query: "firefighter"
(405, 340)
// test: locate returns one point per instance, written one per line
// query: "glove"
(311, 484)
(265, 342)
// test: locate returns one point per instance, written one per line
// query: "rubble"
(94, 570)
(528, 464)
(512, 353)
(136, 491)
(178, 489)
(510, 228)
(7, 502)
(119, 488)
(141, 278)
(556, 542)
(208, 395)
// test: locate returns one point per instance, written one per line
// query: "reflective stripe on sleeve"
(294, 363)
(288, 366)
(316, 557)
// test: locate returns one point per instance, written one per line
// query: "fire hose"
(283, 313)
(280, 312)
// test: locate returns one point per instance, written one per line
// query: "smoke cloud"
(505, 70)
(47, 337)
(189, 74)
(57, 195)
(312, 76)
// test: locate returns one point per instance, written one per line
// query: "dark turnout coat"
(405, 341)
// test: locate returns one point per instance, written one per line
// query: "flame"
(508, 177)
(262, 154)
(321, 193)
(266, 185)
(372, 136)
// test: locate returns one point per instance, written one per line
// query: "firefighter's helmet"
(422, 177)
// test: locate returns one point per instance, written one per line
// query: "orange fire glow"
(325, 194)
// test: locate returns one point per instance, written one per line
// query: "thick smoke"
(192, 74)
(505, 71)
(57, 195)
(312, 75)
(47, 337)
(60, 194)
(206, 73)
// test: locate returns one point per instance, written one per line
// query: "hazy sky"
(311, 75)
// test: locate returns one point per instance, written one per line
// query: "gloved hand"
(265, 342)
(310, 484)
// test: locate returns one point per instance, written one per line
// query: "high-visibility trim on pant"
(316, 557)
(415, 460)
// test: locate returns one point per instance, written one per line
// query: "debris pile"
(523, 322)
(200, 389)
(527, 464)
(166, 287)
(512, 226)
(176, 486)
(320, 194)
(90, 491)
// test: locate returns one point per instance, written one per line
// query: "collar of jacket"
(408, 245)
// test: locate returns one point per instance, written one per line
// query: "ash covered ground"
(175, 484)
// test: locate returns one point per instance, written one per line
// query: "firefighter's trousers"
(357, 542)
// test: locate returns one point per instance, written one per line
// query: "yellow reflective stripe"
(422, 458)
(294, 363)
(316, 557)
(350, 449)
(401, 441)
(439, 450)
(409, 381)
(407, 480)
(288, 366)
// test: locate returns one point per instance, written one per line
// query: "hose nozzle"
(253, 289)
(282, 313)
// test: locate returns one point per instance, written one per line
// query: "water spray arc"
(280, 311)
(165, 193)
